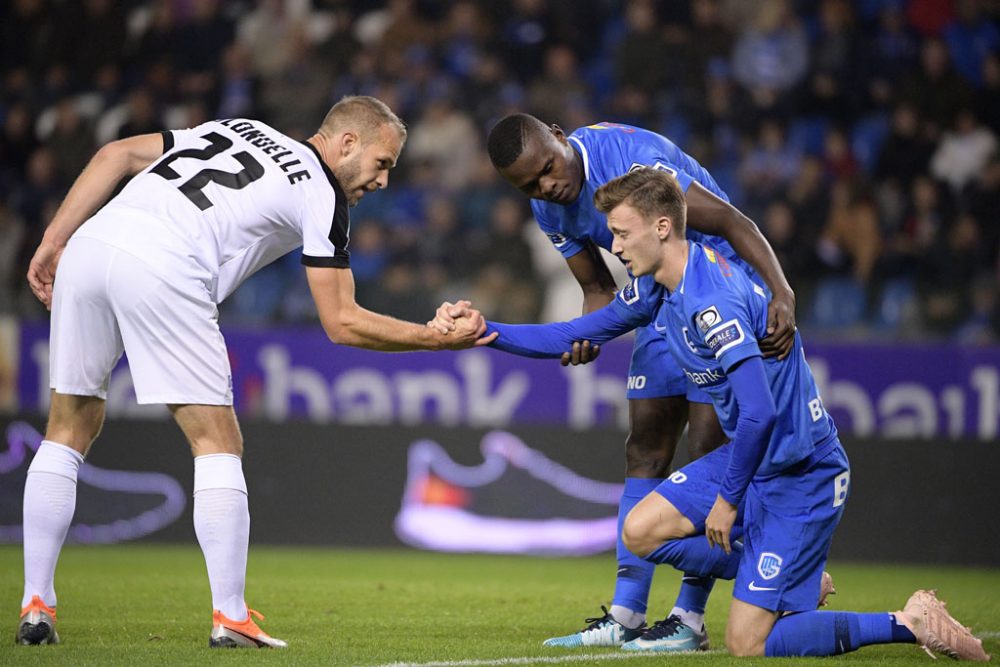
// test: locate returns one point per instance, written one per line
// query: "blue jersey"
(610, 150)
(712, 322)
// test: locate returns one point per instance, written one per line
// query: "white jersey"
(227, 198)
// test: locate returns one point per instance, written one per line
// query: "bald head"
(363, 115)
(509, 136)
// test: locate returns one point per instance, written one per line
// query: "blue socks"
(819, 633)
(635, 575)
(694, 557)
(694, 592)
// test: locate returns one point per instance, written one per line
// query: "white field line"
(543, 660)
(987, 634)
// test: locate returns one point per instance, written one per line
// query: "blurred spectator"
(643, 43)
(833, 62)
(850, 242)
(947, 273)
(204, 38)
(18, 141)
(935, 90)
(306, 79)
(772, 56)
(14, 234)
(89, 37)
(560, 86)
(785, 101)
(782, 231)
(890, 53)
(907, 151)
(964, 151)
(527, 27)
(970, 38)
(71, 141)
(988, 97)
(770, 165)
(446, 138)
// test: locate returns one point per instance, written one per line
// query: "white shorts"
(106, 301)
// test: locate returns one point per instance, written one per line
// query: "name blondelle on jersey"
(227, 198)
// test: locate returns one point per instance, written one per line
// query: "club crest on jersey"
(630, 293)
(725, 336)
(769, 565)
(557, 239)
(708, 319)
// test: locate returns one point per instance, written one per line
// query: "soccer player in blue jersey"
(560, 174)
(784, 466)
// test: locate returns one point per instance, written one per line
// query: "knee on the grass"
(744, 646)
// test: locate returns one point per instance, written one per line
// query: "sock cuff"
(219, 471)
(57, 459)
(641, 486)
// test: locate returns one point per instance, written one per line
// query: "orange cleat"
(38, 624)
(227, 633)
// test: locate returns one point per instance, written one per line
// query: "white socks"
(222, 524)
(49, 503)
(630, 619)
(692, 619)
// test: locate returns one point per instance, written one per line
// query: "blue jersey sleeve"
(551, 340)
(757, 416)
(649, 156)
(566, 245)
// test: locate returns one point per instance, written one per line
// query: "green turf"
(149, 604)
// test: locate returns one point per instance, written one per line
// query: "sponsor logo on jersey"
(769, 565)
(630, 293)
(659, 166)
(706, 378)
(708, 319)
(557, 239)
(715, 257)
(725, 336)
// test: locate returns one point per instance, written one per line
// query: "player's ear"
(349, 141)
(557, 132)
(664, 226)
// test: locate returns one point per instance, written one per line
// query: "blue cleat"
(670, 636)
(602, 631)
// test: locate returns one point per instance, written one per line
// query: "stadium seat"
(808, 135)
(839, 303)
(897, 306)
(867, 138)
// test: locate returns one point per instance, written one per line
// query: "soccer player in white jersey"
(205, 209)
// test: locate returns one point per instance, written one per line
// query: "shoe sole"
(36, 634)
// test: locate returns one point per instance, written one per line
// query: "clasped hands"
(461, 325)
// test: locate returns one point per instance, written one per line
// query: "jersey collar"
(583, 154)
(337, 189)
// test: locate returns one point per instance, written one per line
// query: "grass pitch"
(146, 604)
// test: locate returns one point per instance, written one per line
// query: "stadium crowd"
(861, 136)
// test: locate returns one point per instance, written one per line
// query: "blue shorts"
(788, 527)
(653, 372)
(693, 488)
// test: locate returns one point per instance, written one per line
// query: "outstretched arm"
(347, 323)
(552, 340)
(711, 215)
(92, 188)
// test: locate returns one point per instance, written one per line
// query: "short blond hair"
(363, 114)
(651, 192)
